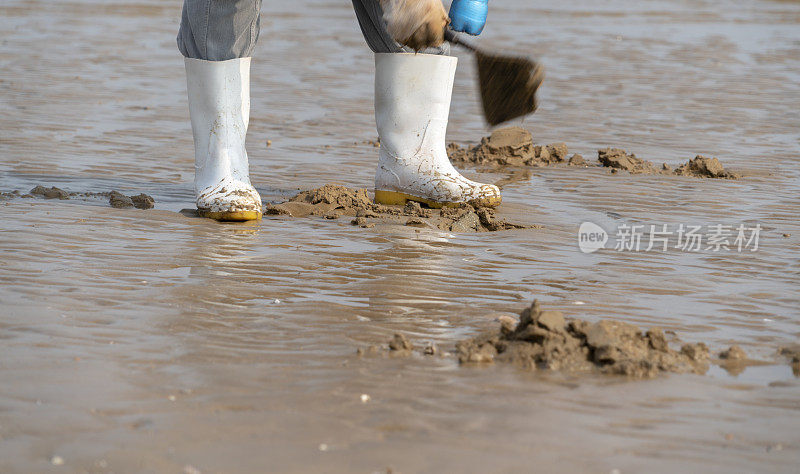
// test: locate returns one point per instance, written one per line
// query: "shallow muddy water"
(150, 341)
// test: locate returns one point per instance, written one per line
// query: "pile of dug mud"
(700, 167)
(545, 339)
(334, 202)
(514, 146)
(115, 198)
(510, 146)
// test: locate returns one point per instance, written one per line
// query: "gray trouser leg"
(370, 18)
(218, 30)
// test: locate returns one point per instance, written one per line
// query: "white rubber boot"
(412, 104)
(219, 105)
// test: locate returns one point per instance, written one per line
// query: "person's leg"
(412, 105)
(217, 38)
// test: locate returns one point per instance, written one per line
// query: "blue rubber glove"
(468, 16)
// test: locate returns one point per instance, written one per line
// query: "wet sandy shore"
(151, 341)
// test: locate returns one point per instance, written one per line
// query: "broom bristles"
(508, 86)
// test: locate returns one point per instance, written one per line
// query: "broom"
(508, 84)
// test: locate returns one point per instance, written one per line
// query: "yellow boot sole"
(230, 216)
(398, 198)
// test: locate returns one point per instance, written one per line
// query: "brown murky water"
(149, 341)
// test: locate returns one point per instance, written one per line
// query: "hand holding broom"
(508, 84)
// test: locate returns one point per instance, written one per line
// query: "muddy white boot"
(219, 105)
(412, 104)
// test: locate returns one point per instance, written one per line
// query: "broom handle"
(454, 38)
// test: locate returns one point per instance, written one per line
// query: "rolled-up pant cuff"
(218, 30)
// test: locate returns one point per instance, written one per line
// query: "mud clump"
(400, 342)
(577, 160)
(415, 209)
(733, 353)
(49, 193)
(547, 340)
(143, 201)
(734, 360)
(324, 201)
(115, 198)
(617, 158)
(514, 146)
(140, 201)
(704, 167)
(119, 200)
(333, 201)
(335, 197)
(510, 146)
(700, 167)
(464, 220)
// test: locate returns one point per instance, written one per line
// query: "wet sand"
(147, 340)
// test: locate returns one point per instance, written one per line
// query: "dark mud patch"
(334, 202)
(121, 201)
(792, 353)
(49, 193)
(115, 198)
(514, 146)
